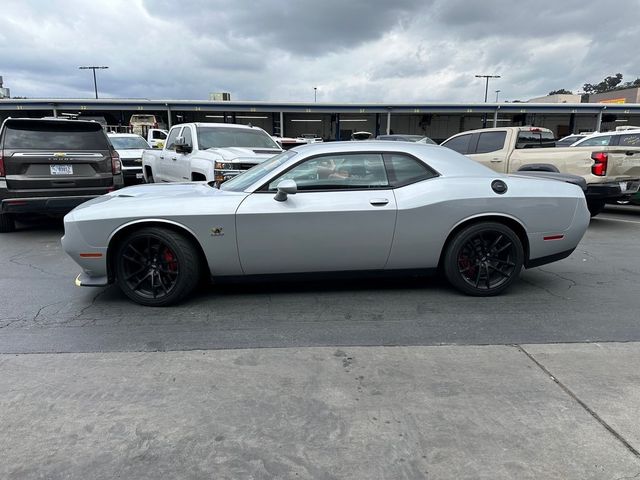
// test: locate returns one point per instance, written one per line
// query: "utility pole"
(315, 94)
(497, 92)
(486, 92)
(95, 83)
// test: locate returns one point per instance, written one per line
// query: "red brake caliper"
(170, 258)
(464, 264)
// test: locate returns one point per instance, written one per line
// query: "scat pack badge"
(217, 232)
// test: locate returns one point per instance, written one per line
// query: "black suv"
(51, 166)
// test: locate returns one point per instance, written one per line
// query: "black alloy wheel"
(156, 266)
(484, 259)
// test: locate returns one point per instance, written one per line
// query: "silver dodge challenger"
(329, 207)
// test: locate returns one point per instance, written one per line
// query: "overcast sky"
(351, 50)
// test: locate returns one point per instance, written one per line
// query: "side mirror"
(285, 188)
(182, 146)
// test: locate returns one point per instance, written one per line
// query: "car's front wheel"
(7, 224)
(483, 259)
(156, 266)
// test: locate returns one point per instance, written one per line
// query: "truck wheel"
(157, 267)
(7, 223)
(483, 259)
(150, 176)
(595, 207)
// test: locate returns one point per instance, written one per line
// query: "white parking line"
(617, 219)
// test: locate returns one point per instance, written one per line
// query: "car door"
(624, 155)
(181, 165)
(342, 218)
(168, 156)
(491, 150)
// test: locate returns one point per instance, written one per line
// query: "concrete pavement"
(565, 411)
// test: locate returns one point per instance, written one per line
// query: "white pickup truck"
(612, 172)
(211, 152)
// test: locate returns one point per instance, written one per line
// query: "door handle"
(496, 160)
(629, 152)
(174, 158)
(378, 202)
(161, 157)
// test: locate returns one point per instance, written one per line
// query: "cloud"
(278, 50)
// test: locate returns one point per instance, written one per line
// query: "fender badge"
(59, 154)
(217, 232)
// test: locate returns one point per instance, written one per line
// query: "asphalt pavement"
(590, 296)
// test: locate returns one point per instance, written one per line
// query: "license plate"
(61, 169)
(139, 176)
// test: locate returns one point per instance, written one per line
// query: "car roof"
(225, 125)
(444, 160)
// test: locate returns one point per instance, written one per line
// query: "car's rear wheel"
(156, 266)
(7, 224)
(483, 259)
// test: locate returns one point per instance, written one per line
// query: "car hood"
(244, 155)
(159, 200)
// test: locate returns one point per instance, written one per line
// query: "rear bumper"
(49, 201)
(613, 190)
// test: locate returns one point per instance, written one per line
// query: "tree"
(562, 91)
(608, 84)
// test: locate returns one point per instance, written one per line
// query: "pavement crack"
(572, 282)
(544, 289)
(580, 402)
(14, 260)
(91, 304)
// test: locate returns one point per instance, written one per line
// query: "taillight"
(116, 166)
(600, 167)
(1, 165)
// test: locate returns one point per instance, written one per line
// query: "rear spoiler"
(562, 177)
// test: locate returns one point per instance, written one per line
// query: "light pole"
(486, 92)
(95, 83)
(497, 92)
(315, 94)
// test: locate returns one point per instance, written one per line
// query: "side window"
(186, 133)
(600, 141)
(404, 170)
(630, 140)
(173, 134)
(337, 172)
(491, 142)
(459, 144)
(158, 135)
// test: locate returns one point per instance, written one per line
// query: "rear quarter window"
(491, 142)
(630, 140)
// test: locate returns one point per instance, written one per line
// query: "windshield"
(221, 137)
(253, 175)
(129, 143)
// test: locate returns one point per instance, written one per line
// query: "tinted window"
(223, 137)
(404, 170)
(459, 144)
(173, 134)
(491, 141)
(337, 172)
(64, 136)
(158, 135)
(630, 140)
(128, 143)
(599, 141)
(535, 139)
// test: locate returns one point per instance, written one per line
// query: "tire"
(150, 177)
(595, 207)
(7, 224)
(483, 259)
(157, 267)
